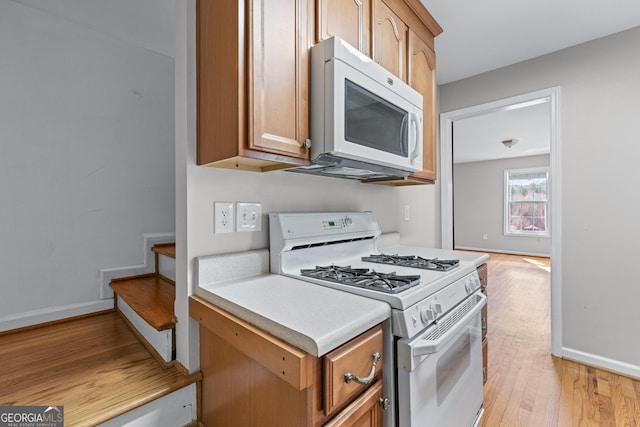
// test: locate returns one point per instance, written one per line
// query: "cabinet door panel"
(390, 40)
(422, 77)
(347, 19)
(365, 411)
(279, 76)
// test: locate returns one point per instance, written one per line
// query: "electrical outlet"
(248, 216)
(223, 217)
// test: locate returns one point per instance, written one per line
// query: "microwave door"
(373, 122)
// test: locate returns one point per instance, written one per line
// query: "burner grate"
(363, 278)
(413, 261)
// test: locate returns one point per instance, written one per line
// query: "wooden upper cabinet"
(253, 83)
(348, 19)
(390, 40)
(422, 77)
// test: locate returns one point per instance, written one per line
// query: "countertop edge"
(313, 346)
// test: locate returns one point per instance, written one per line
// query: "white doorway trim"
(446, 187)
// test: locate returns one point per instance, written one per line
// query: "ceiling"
(479, 138)
(485, 35)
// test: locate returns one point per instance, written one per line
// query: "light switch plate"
(223, 217)
(248, 216)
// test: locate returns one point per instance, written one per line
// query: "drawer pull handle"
(349, 376)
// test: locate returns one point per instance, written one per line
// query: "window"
(526, 205)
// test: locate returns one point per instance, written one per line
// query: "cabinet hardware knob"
(385, 402)
(349, 376)
(307, 143)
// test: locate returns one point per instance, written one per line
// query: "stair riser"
(161, 341)
(167, 267)
(175, 409)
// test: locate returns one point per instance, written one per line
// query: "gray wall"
(600, 90)
(86, 159)
(478, 201)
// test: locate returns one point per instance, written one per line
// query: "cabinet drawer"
(366, 410)
(356, 357)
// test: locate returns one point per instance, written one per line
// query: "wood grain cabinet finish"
(250, 378)
(253, 83)
(390, 40)
(422, 77)
(356, 357)
(365, 411)
(348, 19)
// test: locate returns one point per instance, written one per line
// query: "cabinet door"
(279, 76)
(422, 77)
(365, 411)
(347, 19)
(390, 40)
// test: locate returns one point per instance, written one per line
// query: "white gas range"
(433, 359)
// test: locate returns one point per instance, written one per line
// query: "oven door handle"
(467, 311)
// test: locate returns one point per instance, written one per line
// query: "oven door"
(440, 370)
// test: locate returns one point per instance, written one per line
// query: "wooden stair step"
(93, 366)
(166, 249)
(151, 296)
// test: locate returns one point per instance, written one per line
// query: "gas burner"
(413, 261)
(363, 278)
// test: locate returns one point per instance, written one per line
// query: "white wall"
(600, 89)
(478, 201)
(86, 160)
(277, 191)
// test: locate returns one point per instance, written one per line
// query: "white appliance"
(366, 123)
(432, 361)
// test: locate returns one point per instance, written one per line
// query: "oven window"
(452, 366)
(373, 122)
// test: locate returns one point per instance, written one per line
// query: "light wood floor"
(95, 367)
(526, 385)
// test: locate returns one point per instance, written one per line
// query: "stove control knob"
(437, 308)
(468, 286)
(347, 221)
(428, 315)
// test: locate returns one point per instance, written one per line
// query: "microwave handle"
(416, 150)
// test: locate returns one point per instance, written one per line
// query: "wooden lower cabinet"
(365, 411)
(251, 378)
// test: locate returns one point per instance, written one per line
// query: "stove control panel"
(418, 317)
(336, 223)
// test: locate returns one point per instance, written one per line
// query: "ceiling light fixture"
(509, 142)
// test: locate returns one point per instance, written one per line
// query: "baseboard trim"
(501, 251)
(53, 314)
(149, 265)
(601, 362)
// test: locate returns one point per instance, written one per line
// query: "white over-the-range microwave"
(366, 123)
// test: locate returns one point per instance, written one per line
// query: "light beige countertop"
(314, 318)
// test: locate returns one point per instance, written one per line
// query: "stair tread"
(166, 249)
(94, 366)
(151, 296)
